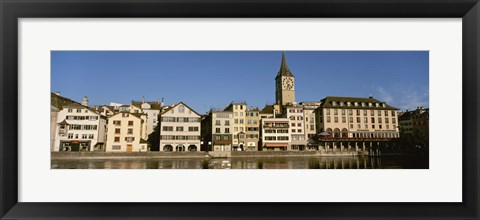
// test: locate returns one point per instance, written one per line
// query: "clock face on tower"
(287, 83)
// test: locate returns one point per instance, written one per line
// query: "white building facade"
(80, 129)
(180, 129)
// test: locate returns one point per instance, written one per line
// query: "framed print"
(231, 109)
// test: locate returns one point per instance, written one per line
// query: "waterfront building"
(56, 105)
(180, 129)
(310, 122)
(252, 129)
(217, 131)
(295, 115)
(275, 134)
(416, 120)
(151, 109)
(271, 111)
(348, 119)
(126, 132)
(284, 84)
(239, 124)
(80, 128)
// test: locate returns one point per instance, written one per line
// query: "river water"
(354, 162)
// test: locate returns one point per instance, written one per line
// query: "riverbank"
(169, 155)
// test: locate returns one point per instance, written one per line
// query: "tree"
(154, 138)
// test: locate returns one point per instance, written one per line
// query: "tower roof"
(284, 70)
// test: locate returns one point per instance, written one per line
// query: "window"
(270, 138)
(129, 139)
(79, 110)
(364, 112)
(335, 111)
(179, 128)
(117, 130)
(235, 129)
(130, 131)
(293, 124)
(341, 103)
(350, 112)
(217, 122)
(351, 126)
(356, 104)
(394, 121)
(90, 136)
(336, 119)
(343, 111)
(380, 126)
(328, 111)
(386, 121)
(358, 126)
(227, 130)
(125, 115)
(328, 119)
(227, 123)
(236, 113)
(379, 120)
(365, 120)
(70, 136)
(217, 130)
(70, 110)
(76, 136)
(283, 138)
(350, 119)
(388, 126)
(372, 112)
(386, 113)
(393, 113)
(116, 147)
(379, 113)
(344, 119)
(299, 130)
(181, 109)
(293, 130)
(192, 128)
(117, 139)
(299, 124)
(241, 121)
(358, 119)
(373, 120)
(241, 114)
(130, 123)
(168, 128)
(117, 123)
(373, 126)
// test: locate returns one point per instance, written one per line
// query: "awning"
(221, 142)
(275, 145)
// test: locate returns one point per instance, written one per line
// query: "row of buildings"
(329, 124)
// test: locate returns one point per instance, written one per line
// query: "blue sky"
(206, 79)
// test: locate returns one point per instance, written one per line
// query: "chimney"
(161, 103)
(85, 101)
(143, 99)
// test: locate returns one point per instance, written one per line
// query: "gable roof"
(267, 110)
(284, 70)
(327, 103)
(58, 101)
(177, 105)
(153, 105)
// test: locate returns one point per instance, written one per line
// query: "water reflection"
(383, 162)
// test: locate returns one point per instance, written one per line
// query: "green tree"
(154, 138)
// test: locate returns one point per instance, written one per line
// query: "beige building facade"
(126, 132)
(275, 134)
(347, 117)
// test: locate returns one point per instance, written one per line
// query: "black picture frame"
(12, 10)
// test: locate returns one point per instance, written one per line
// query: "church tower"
(284, 84)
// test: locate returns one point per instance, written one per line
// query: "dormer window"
(384, 105)
(363, 104)
(369, 104)
(341, 103)
(181, 109)
(334, 103)
(349, 103)
(377, 105)
(356, 103)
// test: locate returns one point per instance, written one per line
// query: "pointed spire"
(284, 70)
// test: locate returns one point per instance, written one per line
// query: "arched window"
(168, 148)
(336, 132)
(344, 133)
